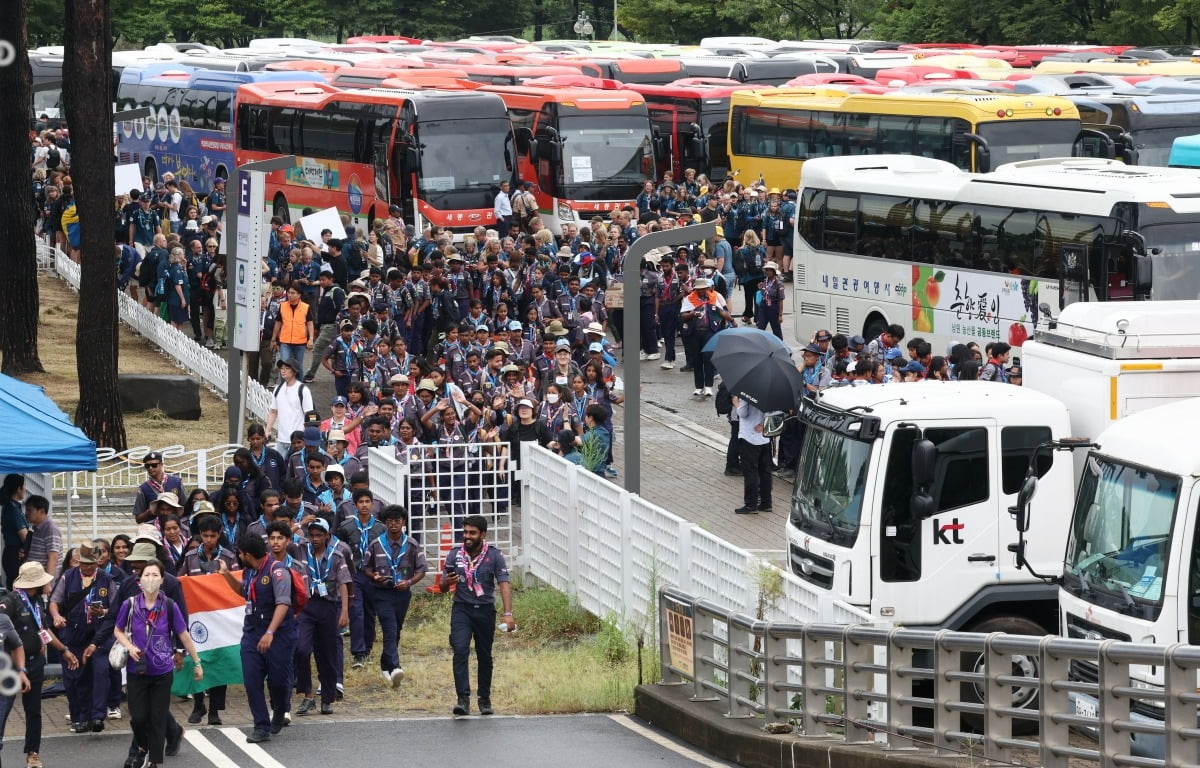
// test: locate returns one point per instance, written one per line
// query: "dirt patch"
(56, 341)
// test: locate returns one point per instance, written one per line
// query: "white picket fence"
(181, 348)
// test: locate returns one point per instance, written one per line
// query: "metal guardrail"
(950, 693)
(211, 368)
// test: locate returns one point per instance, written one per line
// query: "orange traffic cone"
(445, 544)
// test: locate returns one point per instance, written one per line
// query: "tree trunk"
(19, 297)
(87, 94)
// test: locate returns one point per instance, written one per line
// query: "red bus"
(588, 151)
(439, 155)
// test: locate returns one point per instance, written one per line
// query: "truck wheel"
(1024, 696)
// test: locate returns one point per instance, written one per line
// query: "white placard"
(581, 175)
(326, 219)
(127, 177)
(581, 162)
(253, 239)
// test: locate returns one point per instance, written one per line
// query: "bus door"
(664, 123)
(406, 165)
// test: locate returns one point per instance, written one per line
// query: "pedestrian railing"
(208, 366)
(612, 550)
(439, 485)
(948, 693)
(122, 471)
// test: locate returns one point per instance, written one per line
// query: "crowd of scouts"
(312, 563)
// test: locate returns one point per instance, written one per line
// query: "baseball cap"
(857, 342)
(312, 436)
(513, 325)
(893, 353)
(913, 367)
(823, 335)
(562, 344)
(319, 522)
(339, 400)
(595, 346)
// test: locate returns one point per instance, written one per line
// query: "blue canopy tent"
(39, 436)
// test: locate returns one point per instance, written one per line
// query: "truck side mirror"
(924, 459)
(773, 423)
(1024, 496)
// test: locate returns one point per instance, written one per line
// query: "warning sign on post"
(679, 636)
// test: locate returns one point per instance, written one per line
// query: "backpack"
(299, 592)
(723, 400)
(53, 158)
(147, 269)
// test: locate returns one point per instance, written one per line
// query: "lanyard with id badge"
(318, 570)
(251, 591)
(35, 612)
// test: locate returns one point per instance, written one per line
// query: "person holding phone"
(475, 570)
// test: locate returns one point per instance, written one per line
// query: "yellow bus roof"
(1115, 67)
(977, 104)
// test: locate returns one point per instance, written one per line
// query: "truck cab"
(902, 495)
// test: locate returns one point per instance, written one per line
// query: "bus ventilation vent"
(127, 158)
(812, 310)
(801, 275)
(841, 320)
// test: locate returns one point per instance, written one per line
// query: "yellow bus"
(1174, 68)
(771, 132)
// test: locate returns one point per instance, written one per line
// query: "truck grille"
(812, 568)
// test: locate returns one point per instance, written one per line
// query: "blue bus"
(190, 130)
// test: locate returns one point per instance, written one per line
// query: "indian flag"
(215, 614)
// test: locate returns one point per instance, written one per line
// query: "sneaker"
(359, 662)
(326, 709)
(287, 719)
(209, 343)
(258, 737)
(745, 511)
(642, 355)
(733, 473)
(32, 760)
(668, 365)
(708, 392)
(309, 379)
(214, 718)
(278, 722)
(654, 356)
(306, 706)
(341, 692)
(610, 472)
(463, 707)
(686, 369)
(197, 714)
(485, 707)
(698, 393)
(784, 473)
(97, 726)
(396, 677)
(174, 740)
(387, 676)
(661, 342)
(114, 713)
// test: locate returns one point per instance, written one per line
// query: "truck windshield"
(828, 496)
(1120, 536)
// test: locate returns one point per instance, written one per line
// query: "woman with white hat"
(25, 605)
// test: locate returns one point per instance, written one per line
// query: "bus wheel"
(151, 170)
(1024, 696)
(280, 209)
(875, 325)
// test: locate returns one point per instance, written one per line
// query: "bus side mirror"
(524, 140)
(1024, 497)
(1143, 273)
(698, 143)
(1129, 153)
(412, 157)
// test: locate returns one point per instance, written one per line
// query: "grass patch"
(562, 659)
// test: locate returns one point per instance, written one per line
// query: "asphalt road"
(580, 741)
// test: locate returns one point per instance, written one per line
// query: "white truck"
(902, 493)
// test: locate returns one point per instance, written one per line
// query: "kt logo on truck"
(947, 533)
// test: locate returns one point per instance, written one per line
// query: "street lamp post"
(246, 230)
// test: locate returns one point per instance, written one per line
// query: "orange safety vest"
(293, 323)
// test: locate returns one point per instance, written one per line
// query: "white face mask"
(552, 398)
(151, 583)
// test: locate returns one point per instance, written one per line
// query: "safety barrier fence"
(210, 367)
(440, 484)
(949, 693)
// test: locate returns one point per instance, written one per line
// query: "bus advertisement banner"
(972, 305)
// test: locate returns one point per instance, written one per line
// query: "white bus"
(954, 256)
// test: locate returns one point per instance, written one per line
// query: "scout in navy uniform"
(80, 602)
(202, 560)
(475, 569)
(268, 634)
(395, 562)
(358, 532)
(327, 611)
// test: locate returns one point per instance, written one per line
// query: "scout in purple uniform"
(394, 563)
(326, 612)
(268, 634)
(358, 532)
(475, 569)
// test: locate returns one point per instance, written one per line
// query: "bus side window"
(841, 224)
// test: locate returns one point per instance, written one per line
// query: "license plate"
(1085, 708)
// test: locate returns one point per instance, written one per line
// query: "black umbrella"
(757, 367)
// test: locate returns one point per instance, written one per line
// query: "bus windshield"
(462, 162)
(830, 481)
(1120, 535)
(1173, 242)
(604, 156)
(1012, 141)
